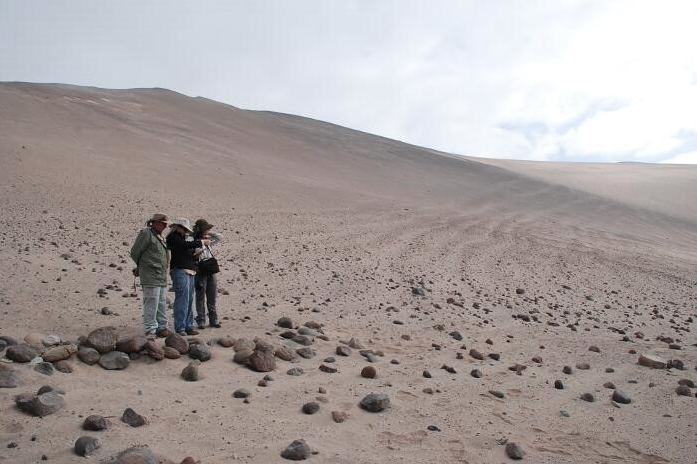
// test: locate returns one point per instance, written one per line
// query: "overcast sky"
(546, 80)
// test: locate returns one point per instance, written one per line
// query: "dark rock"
(63, 366)
(285, 323)
(171, 353)
(653, 361)
(588, 397)
(567, 370)
(329, 359)
(95, 423)
(302, 340)
(496, 393)
(476, 373)
(448, 369)
(609, 370)
(21, 353)
(494, 356)
(299, 450)
(306, 352)
(131, 344)
(476, 354)
(369, 372)
(103, 339)
(609, 385)
(583, 366)
(49, 388)
(190, 372)
(418, 291)
(519, 291)
(154, 350)
(241, 393)
(327, 369)
(288, 334)
(683, 390)
(45, 368)
(308, 331)
(8, 341)
(114, 360)
(456, 335)
(686, 382)
(179, 343)
(375, 402)
(41, 405)
(676, 364)
(619, 396)
(88, 355)
(342, 350)
(558, 384)
(295, 371)
(132, 418)
(310, 408)
(594, 349)
(135, 455)
(84, 446)
(200, 351)
(427, 374)
(262, 361)
(514, 451)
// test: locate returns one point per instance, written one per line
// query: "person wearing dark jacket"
(149, 252)
(206, 285)
(183, 269)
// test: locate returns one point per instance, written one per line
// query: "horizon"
(578, 82)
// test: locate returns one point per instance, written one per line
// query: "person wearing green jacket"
(149, 252)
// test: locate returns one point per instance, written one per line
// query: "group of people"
(185, 252)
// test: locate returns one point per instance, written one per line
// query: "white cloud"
(683, 158)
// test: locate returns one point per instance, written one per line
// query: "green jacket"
(149, 252)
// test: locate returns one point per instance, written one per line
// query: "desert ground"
(427, 260)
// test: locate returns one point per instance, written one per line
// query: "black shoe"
(216, 325)
(201, 326)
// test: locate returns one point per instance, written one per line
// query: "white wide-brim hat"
(184, 222)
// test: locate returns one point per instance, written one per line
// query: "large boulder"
(41, 405)
(59, 353)
(262, 361)
(154, 350)
(131, 343)
(375, 402)
(103, 339)
(243, 344)
(200, 351)
(285, 353)
(21, 353)
(653, 361)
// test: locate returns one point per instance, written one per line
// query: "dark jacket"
(150, 255)
(182, 251)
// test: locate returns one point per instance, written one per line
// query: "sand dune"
(332, 225)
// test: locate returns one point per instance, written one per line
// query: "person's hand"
(206, 242)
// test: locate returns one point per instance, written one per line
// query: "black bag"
(208, 266)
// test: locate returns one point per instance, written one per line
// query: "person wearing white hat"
(183, 269)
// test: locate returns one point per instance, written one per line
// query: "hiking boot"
(162, 333)
(150, 334)
(216, 325)
(201, 326)
(191, 332)
(182, 333)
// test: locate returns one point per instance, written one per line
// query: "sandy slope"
(327, 224)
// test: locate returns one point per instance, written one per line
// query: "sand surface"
(326, 224)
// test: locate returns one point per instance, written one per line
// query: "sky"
(567, 80)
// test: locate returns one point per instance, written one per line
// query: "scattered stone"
(135, 455)
(262, 361)
(583, 366)
(8, 379)
(519, 291)
(285, 323)
(476, 354)
(154, 350)
(496, 393)
(619, 396)
(653, 361)
(103, 339)
(609, 370)
(45, 368)
(369, 372)
(242, 356)
(285, 353)
(330, 359)
(311, 407)
(683, 390)
(514, 451)
(200, 351)
(303, 340)
(609, 385)
(95, 423)
(296, 371)
(567, 370)
(594, 349)
(676, 364)
(132, 418)
(299, 450)
(476, 373)
(375, 402)
(327, 369)
(190, 372)
(456, 335)
(179, 343)
(226, 341)
(243, 344)
(63, 366)
(494, 356)
(131, 343)
(307, 353)
(343, 350)
(537, 359)
(558, 384)
(59, 353)
(21, 353)
(171, 353)
(41, 404)
(448, 369)
(686, 382)
(356, 344)
(84, 446)
(88, 355)
(339, 416)
(114, 360)
(241, 393)
(427, 374)
(588, 397)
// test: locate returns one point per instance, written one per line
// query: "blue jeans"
(183, 284)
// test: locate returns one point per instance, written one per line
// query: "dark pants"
(206, 288)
